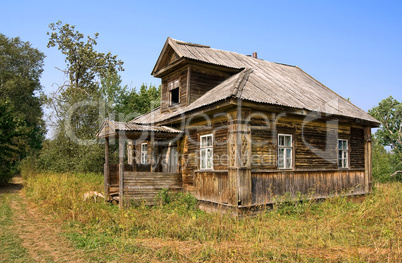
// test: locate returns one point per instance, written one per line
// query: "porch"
(141, 186)
(137, 179)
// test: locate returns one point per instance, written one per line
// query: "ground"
(355, 229)
(27, 235)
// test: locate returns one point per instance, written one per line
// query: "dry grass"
(360, 229)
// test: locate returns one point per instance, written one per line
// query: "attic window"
(174, 89)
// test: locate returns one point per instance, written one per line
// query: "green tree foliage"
(382, 166)
(8, 148)
(21, 124)
(389, 112)
(91, 78)
(85, 67)
(113, 95)
(139, 102)
(94, 91)
(124, 104)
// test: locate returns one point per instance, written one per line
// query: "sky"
(352, 47)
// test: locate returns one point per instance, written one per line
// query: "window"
(285, 151)
(343, 153)
(206, 152)
(144, 153)
(174, 96)
(174, 89)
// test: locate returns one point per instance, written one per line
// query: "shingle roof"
(260, 81)
(115, 126)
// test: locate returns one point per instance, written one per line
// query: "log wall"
(357, 148)
(180, 75)
(315, 168)
(203, 80)
(314, 142)
(190, 148)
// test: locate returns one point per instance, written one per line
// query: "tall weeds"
(337, 229)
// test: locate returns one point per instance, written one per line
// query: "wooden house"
(238, 132)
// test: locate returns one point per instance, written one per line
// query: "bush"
(7, 171)
(385, 163)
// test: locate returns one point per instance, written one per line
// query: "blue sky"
(352, 47)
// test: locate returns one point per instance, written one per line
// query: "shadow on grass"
(13, 187)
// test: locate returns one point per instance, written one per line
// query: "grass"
(355, 229)
(11, 249)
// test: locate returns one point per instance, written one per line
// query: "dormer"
(184, 76)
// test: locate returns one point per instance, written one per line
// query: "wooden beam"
(153, 152)
(239, 152)
(188, 84)
(368, 160)
(106, 171)
(130, 151)
(121, 169)
(134, 156)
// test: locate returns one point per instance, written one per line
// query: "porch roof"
(111, 128)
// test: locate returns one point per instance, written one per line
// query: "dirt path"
(14, 187)
(40, 235)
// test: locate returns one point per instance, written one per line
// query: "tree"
(389, 113)
(113, 95)
(146, 99)
(91, 79)
(21, 125)
(85, 67)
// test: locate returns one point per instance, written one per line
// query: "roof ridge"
(241, 82)
(189, 43)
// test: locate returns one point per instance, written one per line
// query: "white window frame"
(285, 152)
(144, 153)
(343, 161)
(206, 149)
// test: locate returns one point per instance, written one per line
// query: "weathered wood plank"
(213, 187)
(265, 186)
(144, 186)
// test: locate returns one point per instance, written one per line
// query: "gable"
(167, 56)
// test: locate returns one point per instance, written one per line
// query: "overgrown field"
(360, 229)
